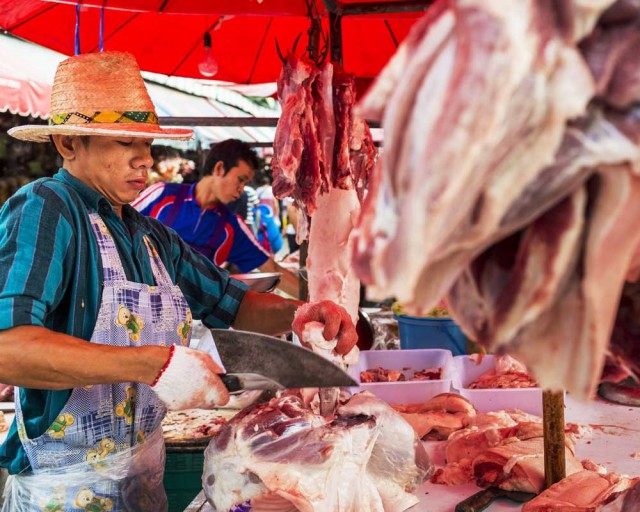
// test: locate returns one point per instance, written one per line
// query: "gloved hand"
(189, 380)
(337, 323)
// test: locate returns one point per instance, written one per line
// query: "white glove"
(189, 380)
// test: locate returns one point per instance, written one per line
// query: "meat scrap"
(281, 456)
(503, 381)
(428, 374)
(380, 374)
(438, 417)
(510, 181)
(508, 373)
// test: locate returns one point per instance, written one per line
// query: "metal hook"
(280, 52)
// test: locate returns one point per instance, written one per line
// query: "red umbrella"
(166, 36)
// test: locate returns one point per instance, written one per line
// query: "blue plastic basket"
(418, 332)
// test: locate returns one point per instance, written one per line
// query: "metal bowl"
(259, 281)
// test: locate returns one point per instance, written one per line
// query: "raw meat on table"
(438, 417)
(587, 491)
(281, 456)
(503, 449)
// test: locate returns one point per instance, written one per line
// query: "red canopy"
(25, 84)
(166, 36)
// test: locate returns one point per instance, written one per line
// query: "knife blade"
(291, 366)
(237, 382)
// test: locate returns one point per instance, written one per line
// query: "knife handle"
(478, 502)
(231, 382)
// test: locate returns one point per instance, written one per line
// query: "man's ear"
(218, 169)
(65, 146)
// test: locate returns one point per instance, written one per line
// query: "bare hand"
(337, 323)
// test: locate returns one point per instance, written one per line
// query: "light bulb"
(208, 65)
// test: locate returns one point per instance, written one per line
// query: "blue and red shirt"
(215, 232)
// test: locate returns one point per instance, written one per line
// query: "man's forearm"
(39, 358)
(266, 313)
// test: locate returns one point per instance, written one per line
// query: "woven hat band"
(107, 117)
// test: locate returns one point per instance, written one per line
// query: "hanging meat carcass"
(327, 175)
(319, 144)
(509, 181)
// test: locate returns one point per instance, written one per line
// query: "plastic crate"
(404, 392)
(466, 370)
(419, 333)
(182, 478)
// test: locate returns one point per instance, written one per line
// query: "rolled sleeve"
(224, 313)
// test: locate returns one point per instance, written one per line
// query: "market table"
(614, 443)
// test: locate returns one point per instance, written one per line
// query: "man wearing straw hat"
(96, 304)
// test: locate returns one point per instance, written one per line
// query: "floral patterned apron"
(105, 451)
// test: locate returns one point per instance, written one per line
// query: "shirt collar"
(92, 198)
(95, 200)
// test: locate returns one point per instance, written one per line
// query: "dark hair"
(84, 139)
(159, 153)
(229, 152)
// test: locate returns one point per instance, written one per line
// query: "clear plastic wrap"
(130, 479)
(280, 456)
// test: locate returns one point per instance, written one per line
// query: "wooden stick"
(554, 445)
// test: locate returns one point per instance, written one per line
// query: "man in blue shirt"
(199, 214)
(97, 301)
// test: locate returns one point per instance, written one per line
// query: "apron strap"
(160, 272)
(112, 268)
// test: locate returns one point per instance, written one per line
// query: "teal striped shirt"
(51, 276)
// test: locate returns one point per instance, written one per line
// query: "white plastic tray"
(466, 370)
(407, 391)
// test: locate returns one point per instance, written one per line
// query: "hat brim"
(42, 132)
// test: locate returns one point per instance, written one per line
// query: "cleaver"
(481, 500)
(258, 361)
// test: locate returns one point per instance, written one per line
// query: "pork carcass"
(319, 144)
(294, 91)
(611, 52)
(398, 464)
(586, 491)
(507, 195)
(279, 456)
(487, 76)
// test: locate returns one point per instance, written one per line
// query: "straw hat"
(100, 94)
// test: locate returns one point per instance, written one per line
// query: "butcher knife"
(481, 500)
(257, 361)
